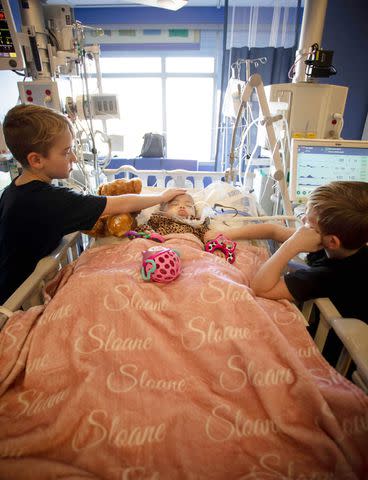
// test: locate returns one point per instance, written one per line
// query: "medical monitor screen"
(7, 48)
(11, 56)
(317, 164)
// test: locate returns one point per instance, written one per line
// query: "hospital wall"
(345, 33)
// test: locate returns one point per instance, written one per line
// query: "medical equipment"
(11, 57)
(277, 169)
(103, 107)
(319, 63)
(314, 111)
(311, 110)
(55, 48)
(43, 92)
(315, 162)
(308, 110)
(235, 86)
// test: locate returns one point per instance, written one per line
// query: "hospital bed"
(215, 408)
(30, 293)
(352, 332)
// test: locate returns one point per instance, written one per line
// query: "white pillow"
(205, 199)
(227, 195)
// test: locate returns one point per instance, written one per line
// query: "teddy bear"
(116, 225)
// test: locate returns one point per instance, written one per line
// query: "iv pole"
(235, 69)
(276, 170)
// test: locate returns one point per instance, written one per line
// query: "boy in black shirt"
(336, 221)
(34, 214)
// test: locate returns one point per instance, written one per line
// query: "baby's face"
(181, 206)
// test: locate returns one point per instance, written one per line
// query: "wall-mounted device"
(59, 19)
(103, 106)
(11, 57)
(41, 92)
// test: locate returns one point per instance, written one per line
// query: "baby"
(177, 216)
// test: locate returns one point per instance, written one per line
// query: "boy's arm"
(258, 231)
(268, 282)
(135, 202)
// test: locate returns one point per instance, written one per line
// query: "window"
(140, 105)
(190, 65)
(130, 65)
(189, 118)
(174, 95)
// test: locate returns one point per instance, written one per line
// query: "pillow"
(205, 199)
(225, 195)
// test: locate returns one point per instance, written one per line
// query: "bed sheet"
(116, 378)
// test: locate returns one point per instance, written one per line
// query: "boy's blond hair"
(342, 210)
(30, 128)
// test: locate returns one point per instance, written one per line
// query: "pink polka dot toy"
(224, 245)
(160, 264)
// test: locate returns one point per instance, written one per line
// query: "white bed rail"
(180, 178)
(29, 293)
(352, 332)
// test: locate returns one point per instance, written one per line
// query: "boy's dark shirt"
(338, 279)
(33, 219)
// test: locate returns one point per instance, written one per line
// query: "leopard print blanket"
(165, 225)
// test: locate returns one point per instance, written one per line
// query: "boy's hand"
(171, 193)
(306, 239)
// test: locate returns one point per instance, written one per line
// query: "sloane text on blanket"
(201, 332)
(240, 376)
(129, 378)
(96, 340)
(103, 429)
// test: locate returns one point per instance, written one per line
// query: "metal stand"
(276, 170)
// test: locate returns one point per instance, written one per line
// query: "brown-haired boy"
(336, 228)
(34, 214)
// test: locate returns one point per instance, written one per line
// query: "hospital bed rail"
(352, 332)
(30, 292)
(180, 178)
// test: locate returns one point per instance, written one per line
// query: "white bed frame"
(177, 178)
(352, 332)
(30, 293)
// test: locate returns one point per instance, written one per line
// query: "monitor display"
(317, 162)
(10, 50)
(6, 43)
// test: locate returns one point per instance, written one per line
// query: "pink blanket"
(120, 379)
